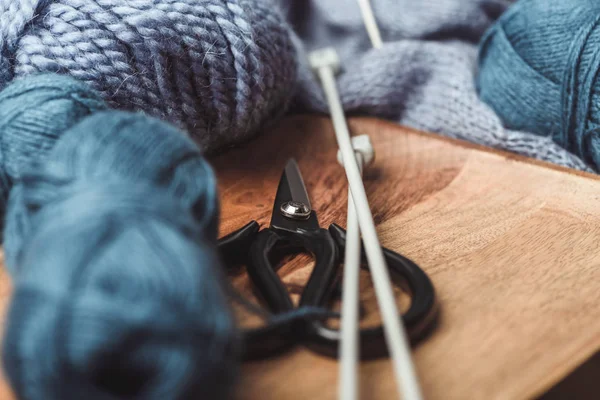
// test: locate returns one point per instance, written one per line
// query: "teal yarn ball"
(110, 240)
(34, 113)
(538, 69)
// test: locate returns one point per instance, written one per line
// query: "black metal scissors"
(294, 229)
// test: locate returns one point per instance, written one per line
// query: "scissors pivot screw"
(295, 210)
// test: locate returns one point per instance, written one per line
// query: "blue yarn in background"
(220, 69)
(110, 241)
(54, 104)
(538, 69)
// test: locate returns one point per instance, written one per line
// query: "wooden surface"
(511, 246)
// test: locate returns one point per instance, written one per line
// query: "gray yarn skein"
(218, 69)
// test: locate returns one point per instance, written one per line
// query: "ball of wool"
(538, 69)
(115, 145)
(115, 297)
(216, 68)
(117, 285)
(34, 113)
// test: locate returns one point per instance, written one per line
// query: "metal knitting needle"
(349, 349)
(326, 62)
(370, 23)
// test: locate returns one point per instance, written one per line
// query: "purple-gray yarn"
(218, 69)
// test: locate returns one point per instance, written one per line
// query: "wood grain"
(511, 246)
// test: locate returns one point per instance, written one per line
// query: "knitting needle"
(326, 62)
(349, 351)
(370, 23)
(348, 348)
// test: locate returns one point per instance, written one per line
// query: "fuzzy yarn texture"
(218, 69)
(423, 76)
(538, 70)
(55, 103)
(110, 240)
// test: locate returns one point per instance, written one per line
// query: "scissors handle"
(326, 246)
(271, 244)
(234, 247)
(257, 250)
(419, 320)
(262, 341)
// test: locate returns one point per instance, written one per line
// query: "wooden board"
(511, 246)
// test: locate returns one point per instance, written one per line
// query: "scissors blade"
(292, 190)
(297, 187)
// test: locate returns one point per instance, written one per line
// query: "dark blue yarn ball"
(118, 291)
(538, 69)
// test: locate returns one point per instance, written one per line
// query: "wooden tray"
(511, 246)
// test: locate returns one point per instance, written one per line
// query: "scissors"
(294, 229)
